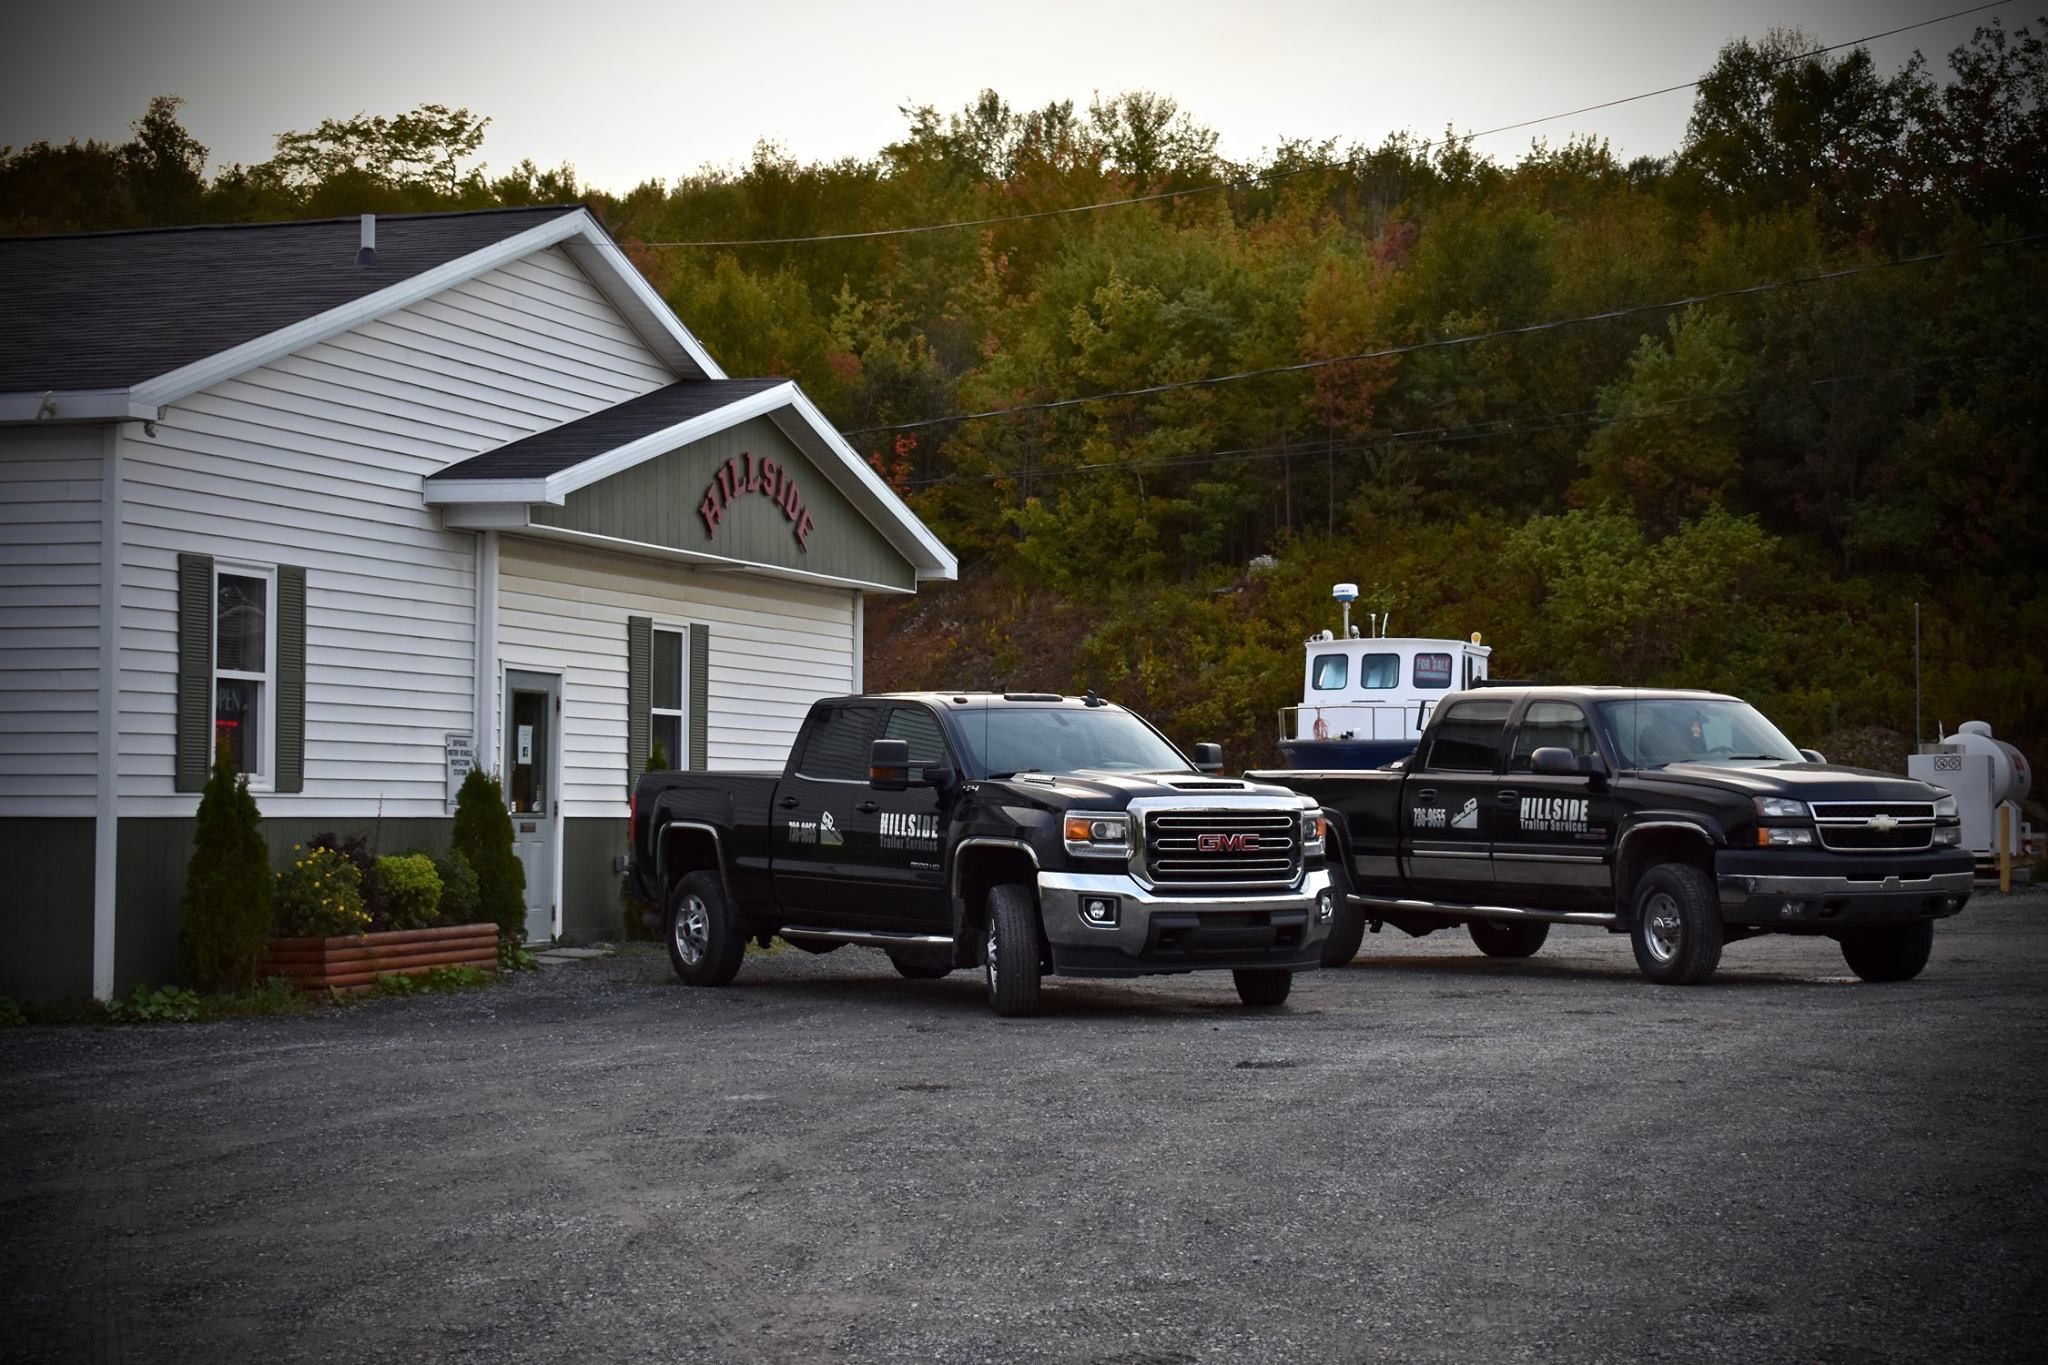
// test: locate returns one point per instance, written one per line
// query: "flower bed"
(352, 962)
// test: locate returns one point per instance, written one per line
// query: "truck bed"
(1368, 805)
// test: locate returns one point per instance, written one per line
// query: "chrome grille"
(1861, 826)
(1222, 847)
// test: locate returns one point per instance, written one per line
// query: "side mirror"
(1208, 758)
(1813, 755)
(1553, 761)
(889, 765)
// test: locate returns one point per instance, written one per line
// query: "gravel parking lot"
(1427, 1156)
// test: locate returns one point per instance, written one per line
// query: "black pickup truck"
(1683, 819)
(1025, 834)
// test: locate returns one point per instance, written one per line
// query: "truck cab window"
(836, 744)
(1331, 672)
(921, 729)
(1468, 736)
(1551, 725)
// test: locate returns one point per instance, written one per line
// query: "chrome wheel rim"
(988, 957)
(1662, 928)
(692, 932)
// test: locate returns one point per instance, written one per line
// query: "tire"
(1508, 938)
(1010, 952)
(1347, 926)
(1895, 952)
(1263, 988)
(913, 967)
(1676, 925)
(706, 941)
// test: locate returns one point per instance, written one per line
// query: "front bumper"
(1769, 889)
(1157, 933)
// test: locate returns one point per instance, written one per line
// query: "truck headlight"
(1099, 834)
(1783, 836)
(1948, 836)
(1313, 831)
(1946, 809)
(1780, 808)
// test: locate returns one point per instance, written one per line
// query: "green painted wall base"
(591, 912)
(46, 909)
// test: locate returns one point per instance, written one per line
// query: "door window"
(836, 744)
(1468, 736)
(921, 729)
(526, 753)
(1551, 725)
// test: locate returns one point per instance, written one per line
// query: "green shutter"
(700, 685)
(639, 696)
(291, 678)
(195, 672)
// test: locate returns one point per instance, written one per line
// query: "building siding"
(776, 647)
(318, 460)
(46, 913)
(49, 620)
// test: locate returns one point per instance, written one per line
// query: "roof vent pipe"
(366, 254)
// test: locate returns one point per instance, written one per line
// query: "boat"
(1365, 697)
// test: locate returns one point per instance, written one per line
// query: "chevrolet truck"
(1685, 820)
(1026, 834)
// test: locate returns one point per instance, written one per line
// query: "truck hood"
(1801, 781)
(1115, 790)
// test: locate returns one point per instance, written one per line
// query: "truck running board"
(877, 938)
(1604, 918)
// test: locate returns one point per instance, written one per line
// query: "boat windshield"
(1654, 731)
(1064, 740)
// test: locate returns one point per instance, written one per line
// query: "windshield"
(1653, 732)
(1064, 740)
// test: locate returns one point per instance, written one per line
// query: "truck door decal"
(1468, 815)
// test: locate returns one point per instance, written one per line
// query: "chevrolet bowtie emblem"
(1883, 824)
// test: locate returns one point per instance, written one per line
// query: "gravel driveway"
(1427, 1156)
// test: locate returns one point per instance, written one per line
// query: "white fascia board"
(563, 482)
(485, 516)
(74, 405)
(452, 492)
(599, 255)
(721, 563)
(937, 561)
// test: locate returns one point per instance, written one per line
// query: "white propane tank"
(2011, 778)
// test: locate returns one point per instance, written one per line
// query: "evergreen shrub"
(459, 893)
(483, 836)
(412, 890)
(226, 906)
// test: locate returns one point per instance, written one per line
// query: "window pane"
(238, 631)
(1468, 738)
(921, 728)
(668, 733)
(837, 746)
(1432, 670)
(668, 671)
(237, 716)
(1331, 671)
(1379, 671)
(1551, 725)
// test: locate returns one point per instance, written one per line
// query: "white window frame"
(263, 777)
(682, 709)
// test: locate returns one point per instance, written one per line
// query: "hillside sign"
(742, 475)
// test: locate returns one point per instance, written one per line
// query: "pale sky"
(630, 90)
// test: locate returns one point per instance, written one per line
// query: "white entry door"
(532, 789)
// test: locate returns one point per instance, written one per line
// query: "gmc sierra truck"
(1683, 819)
(1025, 834)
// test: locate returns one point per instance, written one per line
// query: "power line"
(1443, 343)
(1532, 425)
(1271, 177)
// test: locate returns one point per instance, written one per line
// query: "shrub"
(411, 889)
(359, 851)
(483, 835)
(163, 1005)
(11, 1014)
(226, 907)
(320, 895)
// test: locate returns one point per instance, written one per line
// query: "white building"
(356, 510)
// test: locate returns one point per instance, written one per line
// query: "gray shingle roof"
(113, 309)
(568, 445)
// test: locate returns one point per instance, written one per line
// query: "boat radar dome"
(1347, 593)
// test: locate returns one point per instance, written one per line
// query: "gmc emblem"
(1227, 843)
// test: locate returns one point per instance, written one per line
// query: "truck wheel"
(1263, 987)
(1676, 929)
(1347, 926)
(705, 939)
(1508, 938)
(912, 967)
(1009, 952)
(1895, 952)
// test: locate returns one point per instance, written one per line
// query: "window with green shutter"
(665, 689)
(241, 672)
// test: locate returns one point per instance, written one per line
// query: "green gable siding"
(656, 503)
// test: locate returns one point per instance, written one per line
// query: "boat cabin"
(1364, 701)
